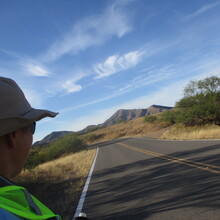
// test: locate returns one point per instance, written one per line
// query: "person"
(17, 126)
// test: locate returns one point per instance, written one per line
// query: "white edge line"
(83, 195)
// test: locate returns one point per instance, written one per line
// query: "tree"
(210, 85)
(201, 102)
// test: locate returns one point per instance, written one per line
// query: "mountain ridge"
(130, 114)
(119, 116)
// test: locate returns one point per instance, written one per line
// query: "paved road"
(138, 178)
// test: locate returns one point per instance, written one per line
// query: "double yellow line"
(202, 166)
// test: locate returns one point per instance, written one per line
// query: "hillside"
(51, 137)
(121, 115)
(130, 114)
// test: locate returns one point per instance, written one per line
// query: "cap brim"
(14, 123)
(38, 114)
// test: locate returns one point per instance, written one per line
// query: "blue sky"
(86, 59)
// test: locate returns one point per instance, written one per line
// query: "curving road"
(140, 178)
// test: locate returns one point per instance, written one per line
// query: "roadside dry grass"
(59, 183)
(137, 127)
(180, 132)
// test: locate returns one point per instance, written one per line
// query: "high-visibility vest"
(20, 202)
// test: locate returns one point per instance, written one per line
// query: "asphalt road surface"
(139, 178)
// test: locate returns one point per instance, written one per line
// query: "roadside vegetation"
(58, 183)
(61, 167)
(197, 114)
(200, 104)
(70, 143)
(181, 132)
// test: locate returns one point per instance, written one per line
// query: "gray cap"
(15, 110)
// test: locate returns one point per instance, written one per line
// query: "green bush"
(92, 137)
(168, 116)
(67, 144)
(150, 118)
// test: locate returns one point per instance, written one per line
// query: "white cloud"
(166, 95)
(90, 31)
(116, 63)
(66, 82)
(37, 70)
(151, 76)
(71, 87)
(24, 63)
(202, 10)
(33, 67)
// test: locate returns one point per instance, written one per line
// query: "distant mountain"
(119, 116)
(130, 114)
(52, 137)
(127, 115)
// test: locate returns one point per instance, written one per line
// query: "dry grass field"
(137, 127)
(59, 183)
(189, 133)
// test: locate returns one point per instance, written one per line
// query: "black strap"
(31, 202)
(5, 182)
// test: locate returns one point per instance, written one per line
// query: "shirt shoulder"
(5, 215)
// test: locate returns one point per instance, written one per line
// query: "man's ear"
(11, 139)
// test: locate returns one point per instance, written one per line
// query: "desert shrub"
(67, 144)
(92, 137)
(168, 116)
(95, 128)
(150, 118)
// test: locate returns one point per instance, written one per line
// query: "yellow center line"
(199, 165)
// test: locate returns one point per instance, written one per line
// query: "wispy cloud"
(150, 76)
(116, 63)
(27, 64)
(91, 31)
(137, 82)
(202, 10)
(66, 83)
(36, 70)
(70, 86)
